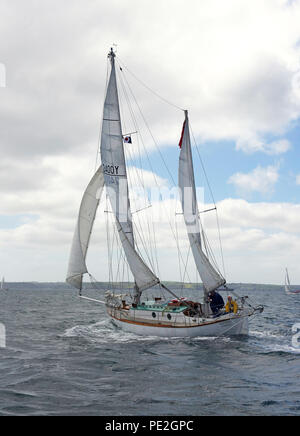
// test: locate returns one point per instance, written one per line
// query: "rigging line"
(155, 247)
(179, 263)
(128, 149)
(180, 256)
(150, 132)
(202, 165)
(112, 241)
(182, 276)
(123, 272)
(116, 241)
(101, 121)
(209, 251)
(212, 196)
(234, 325)
(139, 174)
(140, 224)
(118, 256)
(109, 247)
(220, 242)
(147, 87)
(148, 159)
(141, 179)
(185, 267)
(132, 116)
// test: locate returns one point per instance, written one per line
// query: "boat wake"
(106, 331)
(273, 342)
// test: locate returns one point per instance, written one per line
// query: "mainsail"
(84, 226)
(211, 278)
(115, 177)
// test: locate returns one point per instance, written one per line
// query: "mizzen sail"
(211, 278)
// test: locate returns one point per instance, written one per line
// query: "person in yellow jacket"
(231, 305)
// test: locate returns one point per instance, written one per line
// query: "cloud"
(140, 178)
(234, 65)
(255, 144)
(234, 69)
(298, 179)
(258, 180)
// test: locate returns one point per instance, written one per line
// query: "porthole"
(169, 316)
(153, 315)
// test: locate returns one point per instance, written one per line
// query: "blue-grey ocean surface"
(63, 356)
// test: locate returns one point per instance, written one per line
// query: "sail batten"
(211, 278)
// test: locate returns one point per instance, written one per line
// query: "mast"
(116, 182)
(211, 278)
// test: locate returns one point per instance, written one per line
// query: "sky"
(234, 64)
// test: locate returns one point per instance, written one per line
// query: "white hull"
(237, 325)
(289, 292)
(233, 327)
(292, 293)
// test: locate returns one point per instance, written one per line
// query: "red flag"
(182, 133)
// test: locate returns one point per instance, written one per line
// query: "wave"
(104, 332)
(275, 342)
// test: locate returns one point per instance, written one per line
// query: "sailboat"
(287, 285)
(2, 286)
(167, 314)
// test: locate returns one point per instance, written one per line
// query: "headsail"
(211, 278)
(115, 176)
(84, 226)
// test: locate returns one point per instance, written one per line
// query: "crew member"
(216, 302)
(231, 305)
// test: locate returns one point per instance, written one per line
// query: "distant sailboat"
(2, 286)
(176, 316)
(287, 285)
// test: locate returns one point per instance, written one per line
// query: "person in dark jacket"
(216, 302)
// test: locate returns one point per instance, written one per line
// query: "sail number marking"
(111, 170)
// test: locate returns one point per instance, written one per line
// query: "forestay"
(210, 277)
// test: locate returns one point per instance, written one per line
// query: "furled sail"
(115, 176)
(84, 226)
(211, 278)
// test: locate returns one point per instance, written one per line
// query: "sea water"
(63, 356)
